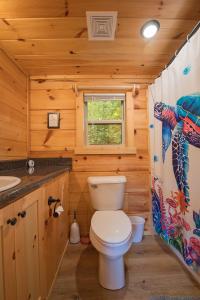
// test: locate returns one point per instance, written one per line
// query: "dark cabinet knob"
(12, 221)
(22, 214)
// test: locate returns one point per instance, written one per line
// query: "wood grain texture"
(51, 38)
(76, 27)
(26, 245)
(52, 99)
(56, 94)
(61, 142)
(38, 119)
(9, 254)
(99, 59)
(47, 140)
(1, 267)
(53, 232)
(13, 112)
(183, 9)
(31, 250)
(151, 270)
(19, 249)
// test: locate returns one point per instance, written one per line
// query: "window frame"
(129, 144)
(106, 122)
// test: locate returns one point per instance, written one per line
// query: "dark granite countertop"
(43, 172)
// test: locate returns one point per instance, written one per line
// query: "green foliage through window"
(104, 110)
(104, 118)
(107, 134)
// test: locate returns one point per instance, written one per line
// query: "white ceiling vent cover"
(101, 25)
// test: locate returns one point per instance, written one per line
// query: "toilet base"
(111, 272)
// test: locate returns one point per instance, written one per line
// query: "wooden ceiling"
(49, 37)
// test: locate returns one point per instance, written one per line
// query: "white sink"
(7, 182)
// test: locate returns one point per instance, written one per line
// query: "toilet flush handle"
(94, 186)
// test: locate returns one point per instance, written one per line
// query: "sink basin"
(7, 182)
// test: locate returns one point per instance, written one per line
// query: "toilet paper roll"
(59, 210)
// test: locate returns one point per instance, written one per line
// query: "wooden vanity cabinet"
(32, 242)
(19, 248)
(53, 231)
(26, 246)
(8, 255)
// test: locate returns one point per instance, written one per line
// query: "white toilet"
(111, 229)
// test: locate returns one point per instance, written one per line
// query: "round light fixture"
(149, 29)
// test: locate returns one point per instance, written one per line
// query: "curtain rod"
(109, 87)
(134, 88)
(182, 45)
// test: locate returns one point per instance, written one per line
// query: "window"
(105, 123)
(104, 119)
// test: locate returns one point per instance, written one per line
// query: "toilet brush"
(74, 231)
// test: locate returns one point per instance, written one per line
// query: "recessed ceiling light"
(149, 29)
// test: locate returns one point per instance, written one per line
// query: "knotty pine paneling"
(75, 8)
(38, 119)
(76, 27)
(51, 37)
(52, 99)
(56, 94)
(100, 59)
(111, 163)
(52, 139)
(13, 111)
(82, 46)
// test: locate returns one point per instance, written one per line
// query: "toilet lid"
(111, 226)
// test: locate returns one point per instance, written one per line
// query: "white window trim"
(129, 145)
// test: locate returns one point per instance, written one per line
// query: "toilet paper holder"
(51, 200)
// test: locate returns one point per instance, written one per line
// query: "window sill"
(105, 150)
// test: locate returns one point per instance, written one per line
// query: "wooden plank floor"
(151, 269)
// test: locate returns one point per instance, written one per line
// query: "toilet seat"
(111, 227)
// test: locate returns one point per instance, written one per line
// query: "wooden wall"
(50, 37)
(47, 95)
(13, 110)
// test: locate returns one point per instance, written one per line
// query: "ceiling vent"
(101, 25)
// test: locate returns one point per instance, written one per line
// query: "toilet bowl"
(111, 235)
(111, 229)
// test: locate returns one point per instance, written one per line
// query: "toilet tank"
(107, 192)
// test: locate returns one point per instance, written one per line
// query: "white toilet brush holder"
(74, 231)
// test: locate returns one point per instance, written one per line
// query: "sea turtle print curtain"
(174, 113)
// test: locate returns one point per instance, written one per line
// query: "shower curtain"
(174, 114)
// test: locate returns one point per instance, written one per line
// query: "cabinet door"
(52, 239)
(1, 260)
(47, 238)
(8, 254)
(63, 222)
(26, 245)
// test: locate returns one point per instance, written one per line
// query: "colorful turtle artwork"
(171, 225)
(181, 124)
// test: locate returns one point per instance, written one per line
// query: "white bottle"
(74, 231)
